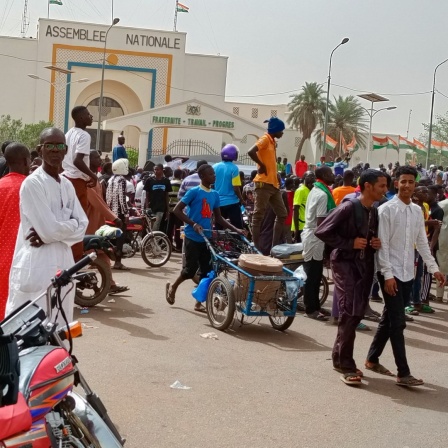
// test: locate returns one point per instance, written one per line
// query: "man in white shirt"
(401, 228)
(77, 161)
(52, 220)
(319, 202)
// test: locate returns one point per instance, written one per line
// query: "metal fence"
(187, 148)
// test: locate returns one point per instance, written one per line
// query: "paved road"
(254, 387)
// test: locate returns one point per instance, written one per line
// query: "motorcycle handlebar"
(62, 278)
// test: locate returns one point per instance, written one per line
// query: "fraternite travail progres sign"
(194, 122)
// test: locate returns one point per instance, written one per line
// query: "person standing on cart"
(203, 205)
(267, 186)
(352, 229)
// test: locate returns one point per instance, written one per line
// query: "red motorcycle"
(38, 406)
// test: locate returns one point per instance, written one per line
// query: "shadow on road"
(164, 272)
(289, 340)
(429, 396)
(119, 315)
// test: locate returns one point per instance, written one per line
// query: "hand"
(198, 228)
(375, 243)
(434, 223)
(92, 182)
(119, 223)
(390, 286)
(242, 232)
(440, 278)
(34, 239)
(359, 243)
(262, 170)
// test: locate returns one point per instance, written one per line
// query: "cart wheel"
(324, 290)
(281, 323)
(220, 303)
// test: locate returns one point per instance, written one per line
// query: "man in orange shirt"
(340, 193)
(301, 167)
(267, 188)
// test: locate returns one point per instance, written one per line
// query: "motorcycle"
(154, 246)
(38, 406)
(93, 285)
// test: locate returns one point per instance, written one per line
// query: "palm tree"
(346, 120)
(307, 110)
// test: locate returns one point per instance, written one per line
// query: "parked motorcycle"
(94, 283)
(154, 246)
(38, 406)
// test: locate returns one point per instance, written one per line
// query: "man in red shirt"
(19, 161)
(301, 167)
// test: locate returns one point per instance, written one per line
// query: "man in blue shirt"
(203, 203)
(228, 186)
(119, 151)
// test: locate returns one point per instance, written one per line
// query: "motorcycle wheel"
(94, 289)
(156, 249)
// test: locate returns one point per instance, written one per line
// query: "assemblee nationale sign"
(193, 122)
(142, 40)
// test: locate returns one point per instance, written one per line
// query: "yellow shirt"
(266, 153)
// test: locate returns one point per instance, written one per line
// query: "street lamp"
(33, 76)
(432, 112)
(373, 98)
(344, 41)
(100, 106)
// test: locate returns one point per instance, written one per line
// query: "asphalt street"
(254, 386)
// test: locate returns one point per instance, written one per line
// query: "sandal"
(352, 379)
(363, 327)
(378, 368)
(117, 289)
(121, 267)
(409, 381)
(411, 310)
(372, 317)
(426, 309)
(200, 308)
(358, 372)
(169, 294)
(408, 318)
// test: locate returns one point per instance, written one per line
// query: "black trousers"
(313, 270)
(232, 212)
(391, 326)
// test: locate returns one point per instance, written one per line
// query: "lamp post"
(371, 113)
(100, 106)
(344, 41)
(33, 76)
(432, 112)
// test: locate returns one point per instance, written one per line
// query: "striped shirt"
(188, 183)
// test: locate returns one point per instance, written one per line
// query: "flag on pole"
(406, 144)
(179, 6)
(55, 2)
(420, 148)
(352, 146)
(379, 142)
(439, 147)
(330, 144)
(392, 144)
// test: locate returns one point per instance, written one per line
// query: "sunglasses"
(51, 146)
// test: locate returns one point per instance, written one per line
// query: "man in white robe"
(52, 220)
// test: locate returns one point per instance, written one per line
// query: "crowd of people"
(376, 228)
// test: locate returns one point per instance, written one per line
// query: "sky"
(274, 47)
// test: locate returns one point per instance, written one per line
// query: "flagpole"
(175, 15)
(48, 9)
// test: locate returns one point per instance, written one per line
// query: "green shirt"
(300, 197)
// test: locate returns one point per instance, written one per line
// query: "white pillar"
(142, 148)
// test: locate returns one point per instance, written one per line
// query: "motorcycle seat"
(287, 251)
(93, 242)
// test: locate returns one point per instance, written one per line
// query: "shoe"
(439, 299)
(413, 310)
(317, 316)
(376, 299)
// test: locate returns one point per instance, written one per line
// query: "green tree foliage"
(132, 156)
(15, 130)
(346, 118)
(440, 133)
(307, 111)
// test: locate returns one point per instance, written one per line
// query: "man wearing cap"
(267, 188)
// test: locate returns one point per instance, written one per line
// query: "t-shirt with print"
(156, 190)
(201, 202)
(227, 177)
(266, 153)
(78, 142)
